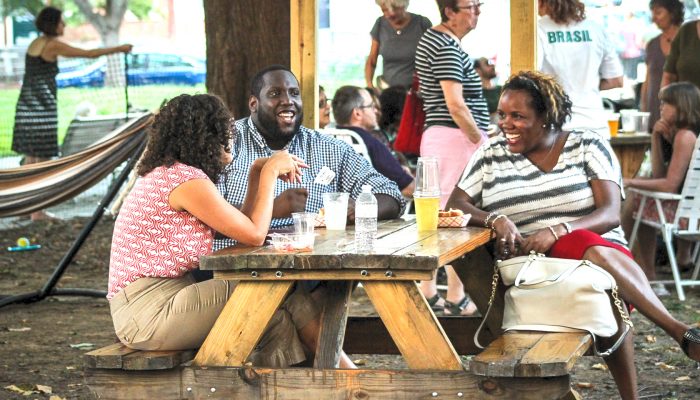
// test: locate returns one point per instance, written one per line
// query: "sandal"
(692, 335)
(433, 303)
(457, 308)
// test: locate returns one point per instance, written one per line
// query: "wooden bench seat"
(523, 354)
(118, 356)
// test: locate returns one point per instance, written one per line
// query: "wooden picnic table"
(388, 274)
(630, 149)
(528, 365)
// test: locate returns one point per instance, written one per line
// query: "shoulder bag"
(410, 130)
(558, 295)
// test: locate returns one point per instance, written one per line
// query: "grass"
(106, 100)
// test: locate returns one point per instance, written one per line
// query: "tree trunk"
(108, 27)
(243, 36)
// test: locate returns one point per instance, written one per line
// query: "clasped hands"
(510, 243)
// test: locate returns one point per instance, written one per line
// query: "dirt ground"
(41, 344)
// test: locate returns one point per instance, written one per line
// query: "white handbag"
(558, 295)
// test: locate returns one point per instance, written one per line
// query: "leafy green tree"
(105, 15)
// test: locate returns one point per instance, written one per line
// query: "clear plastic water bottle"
(365, 220)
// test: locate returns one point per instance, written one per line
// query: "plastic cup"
(629, 122)
(427, 177)
(427, 209)
(642, 121)
(335, 205)
(614, 123)
(304, 222)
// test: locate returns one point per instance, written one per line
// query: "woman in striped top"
(456, 116)
(539, 188)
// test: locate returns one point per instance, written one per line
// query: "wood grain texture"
(531, 354)
(302, 45)
(336, 302)
(154, 360)
(304, 383)
(242, 323)
(332, 275)
(399, 246)
(368, 335)
(523, 35)
(412, 325)
(111, 356)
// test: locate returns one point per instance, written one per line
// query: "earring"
(544, 125)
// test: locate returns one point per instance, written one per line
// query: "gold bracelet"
(553, 233)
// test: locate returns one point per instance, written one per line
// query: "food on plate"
(450, 213)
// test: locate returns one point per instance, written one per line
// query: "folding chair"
(685, 224)
(349, 137)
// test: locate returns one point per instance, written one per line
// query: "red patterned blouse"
(150, 238)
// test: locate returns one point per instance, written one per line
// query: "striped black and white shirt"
(498, 180)
(440, 57)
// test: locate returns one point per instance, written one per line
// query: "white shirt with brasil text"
(579, 55)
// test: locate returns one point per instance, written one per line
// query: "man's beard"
(271, 130)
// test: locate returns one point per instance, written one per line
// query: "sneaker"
(660, 290)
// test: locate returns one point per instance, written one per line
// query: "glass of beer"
(614, 123)
(427, 194)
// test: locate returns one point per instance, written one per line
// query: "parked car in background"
(142, 69)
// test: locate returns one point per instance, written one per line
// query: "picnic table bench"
(525, 365)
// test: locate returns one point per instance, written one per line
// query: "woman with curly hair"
(168, 221)
(579, 53)
(558, 192)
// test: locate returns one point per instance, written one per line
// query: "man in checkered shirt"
(275, 124)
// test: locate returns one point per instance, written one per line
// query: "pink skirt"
(453, 151)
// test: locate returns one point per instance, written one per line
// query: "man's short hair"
(345, 100)
(480, 62)
(257, 83)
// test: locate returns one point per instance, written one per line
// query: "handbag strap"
(494, 285)
(626, 323)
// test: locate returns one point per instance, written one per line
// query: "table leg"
(412, 325)
(334, 317)
(241, 323)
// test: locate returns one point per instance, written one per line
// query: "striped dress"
(439, 57)
(36, 116)
(498, 180)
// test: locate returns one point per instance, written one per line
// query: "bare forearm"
(658, 184)
(610, 83)
(462, 116)
(387, 207)
(370, 67)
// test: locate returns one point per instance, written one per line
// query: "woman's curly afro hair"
(191, 129)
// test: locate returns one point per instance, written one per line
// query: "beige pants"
(177, 314)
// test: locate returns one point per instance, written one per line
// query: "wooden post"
(523, 35)
(303, 29)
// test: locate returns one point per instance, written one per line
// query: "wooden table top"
(624, 138)
(399, 246)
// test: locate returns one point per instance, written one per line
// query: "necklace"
(450, 29)
(549, 152)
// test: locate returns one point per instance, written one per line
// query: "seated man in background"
(274, 124)
(487, 72)
(354, 109)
